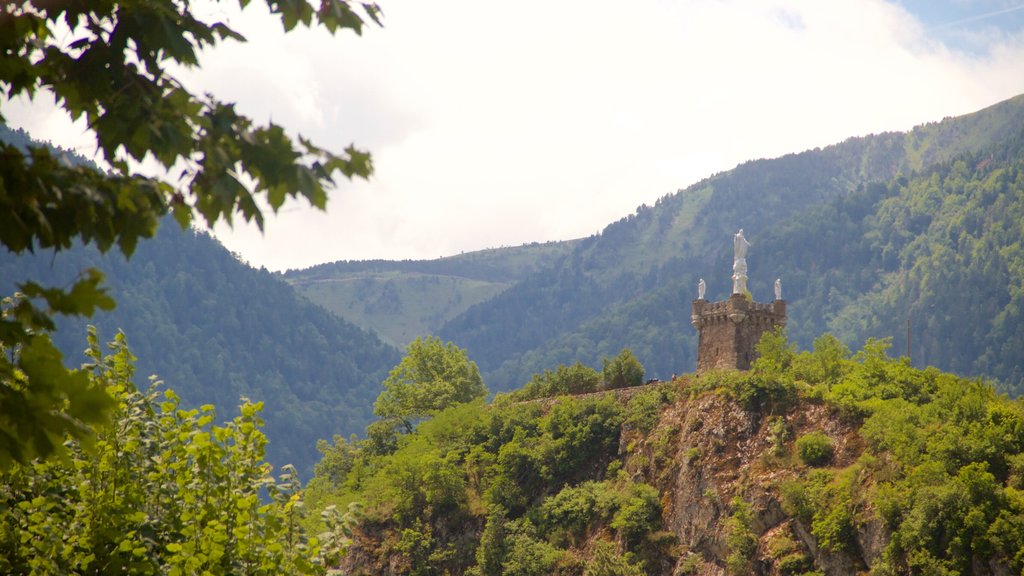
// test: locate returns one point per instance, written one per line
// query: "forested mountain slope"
(863, 234)
(216, 329)
(401, 300)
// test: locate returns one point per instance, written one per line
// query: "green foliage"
(431, 377)
(754, 390)
(827, 364)
(775, 354)
(581, 434)
(575, 379)
(740, 539)
(527, 554)
(691, 564)
(777, 435)
(639, 514)
(337, 460)
(42, 402)
(113, 64)
(163, 491)
(571, 513)
(514, 488)
(643, 409)
(815, 449)
(788, 554)
(606, 561)
(490, 554)
(623, 371)
(940, 469)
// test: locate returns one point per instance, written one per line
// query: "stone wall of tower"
(729, 330)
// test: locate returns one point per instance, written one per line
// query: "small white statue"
(739, 265)
(701, 287)
(778, 288)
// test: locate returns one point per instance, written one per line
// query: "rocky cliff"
(818, 463)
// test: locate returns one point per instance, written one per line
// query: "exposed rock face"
(708, 450)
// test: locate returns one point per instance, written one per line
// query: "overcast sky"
(501, 123)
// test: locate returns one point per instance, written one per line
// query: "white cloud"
(503, 123)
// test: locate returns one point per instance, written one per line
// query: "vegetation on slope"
(220, 330)
(813, 462)
(161, 490)
(404, 300)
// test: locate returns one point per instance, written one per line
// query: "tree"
(164, 491)
(432, 376)
(622, 371)
(111, 62)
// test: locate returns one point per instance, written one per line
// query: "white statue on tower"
(739, 264)
(701, 288)
(778, 288)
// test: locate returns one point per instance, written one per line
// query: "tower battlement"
(729, 330)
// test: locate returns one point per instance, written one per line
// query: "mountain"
(410, 298)
(215, 330)
(865, 234)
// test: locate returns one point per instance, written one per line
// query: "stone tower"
(729, 330)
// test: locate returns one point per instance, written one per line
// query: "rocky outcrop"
(708, 450)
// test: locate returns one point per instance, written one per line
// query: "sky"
(502, 123)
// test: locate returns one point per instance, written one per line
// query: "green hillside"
(863, 234)
(217, 330)
(403, 300)
(811, 463)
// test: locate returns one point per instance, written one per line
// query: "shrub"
(643, 410)
(606, 561)
(740, 538)
(815, 449)
(778, 434)
(526, 554)
(774, 353)
(575, 379)
(691, 564)
(623, 371)
(573, 510)
(639, 514)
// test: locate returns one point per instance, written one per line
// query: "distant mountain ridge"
(816, 219)
(401, 300)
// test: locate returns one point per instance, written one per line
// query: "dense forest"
(813, 463)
